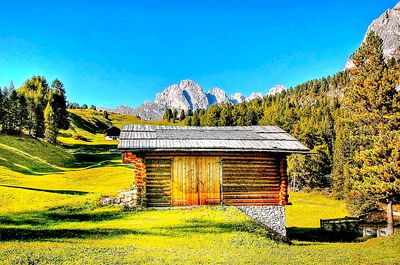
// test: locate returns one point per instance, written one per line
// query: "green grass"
(49, 214)
(25, 155)
(86, 234)
(308, 209)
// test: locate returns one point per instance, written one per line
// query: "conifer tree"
(225, 117)
(60, 105)
(36, 92)
(105, 114)
(22, 112)
(167, 114)
(14, 126)
(195, 120)
(182, 115)
(11, 121)
(50, 121)
(372, 111)
(189, 121)
(211, 116)
(174, 115)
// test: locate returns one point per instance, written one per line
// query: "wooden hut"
(112, 133)
(184, 166)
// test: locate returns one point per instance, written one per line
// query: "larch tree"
(195, 120)
(174, 115)
(11, 122)
(22, 112)
(50, 121)
(167, 114)
(371, 109)
(106, 115)
(35, 90)
(182, 115)
(60, 105)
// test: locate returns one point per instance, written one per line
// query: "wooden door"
(195, 180)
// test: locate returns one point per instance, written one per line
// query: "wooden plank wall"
(158, 182)
(182, 179)
(251, 181)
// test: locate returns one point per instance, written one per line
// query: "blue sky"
(109, 53)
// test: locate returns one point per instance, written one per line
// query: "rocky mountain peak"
(217, 95)
(237, 98)
(187, 95)
(254, 95)
(276, 89)
(387, 26)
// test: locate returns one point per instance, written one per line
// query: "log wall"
(250, 181)
(158, 184)
(182, 179)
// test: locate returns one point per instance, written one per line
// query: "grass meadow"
(49, 214)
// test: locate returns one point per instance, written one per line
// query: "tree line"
(36, 108)
(74, 105)
(172, 115)
(350, 121)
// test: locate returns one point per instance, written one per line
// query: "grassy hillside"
(25, 155)
(35, 175)
(87, 126)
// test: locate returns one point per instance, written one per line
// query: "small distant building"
(112, 133)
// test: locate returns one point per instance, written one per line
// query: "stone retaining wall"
(272, 217)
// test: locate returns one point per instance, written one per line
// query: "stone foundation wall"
(272, 217)
(124, 198)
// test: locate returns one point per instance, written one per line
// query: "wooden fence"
(346, 224)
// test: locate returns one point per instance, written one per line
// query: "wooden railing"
(346, 224)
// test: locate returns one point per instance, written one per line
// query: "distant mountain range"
(184, 96)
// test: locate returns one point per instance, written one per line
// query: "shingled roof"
(189, 138)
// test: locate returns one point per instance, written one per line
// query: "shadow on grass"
(317, 235)
(90, 148)
(95, 158)
(42, 232)
(68, 192)
(58, 215)
(196, 226)
(82, 217)
(27, 234)
(93, 126)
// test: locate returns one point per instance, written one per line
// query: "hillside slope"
(32, 156)
(87, 126)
